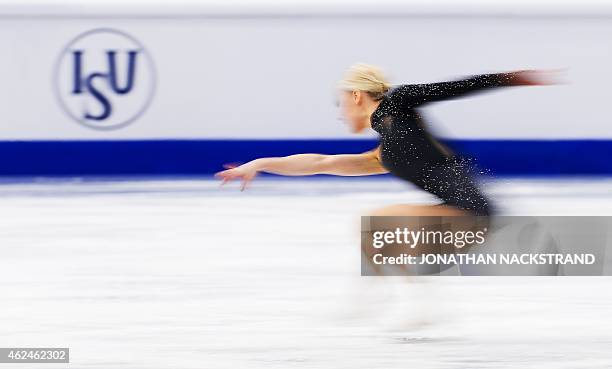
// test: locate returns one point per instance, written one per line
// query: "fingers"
(554, 76)
(245, 182)
(541, 77)
(225, 176)
(235, 173)
(229, 175)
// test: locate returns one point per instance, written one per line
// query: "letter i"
(77, 72)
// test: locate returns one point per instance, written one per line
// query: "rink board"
(204, 157)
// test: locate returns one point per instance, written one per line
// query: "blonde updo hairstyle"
(366, 78)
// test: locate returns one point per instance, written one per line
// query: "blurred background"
(227, 81)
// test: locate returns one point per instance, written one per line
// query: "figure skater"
(406, 149)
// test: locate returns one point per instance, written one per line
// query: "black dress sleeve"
(418, 94)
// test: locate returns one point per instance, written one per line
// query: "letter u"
(112, 72)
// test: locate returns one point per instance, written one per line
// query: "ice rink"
(184, 274)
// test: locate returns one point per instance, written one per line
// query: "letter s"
(106, 111)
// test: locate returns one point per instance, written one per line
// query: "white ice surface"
(182, 274)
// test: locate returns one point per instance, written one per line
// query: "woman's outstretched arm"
(418, 94)
(367, 163)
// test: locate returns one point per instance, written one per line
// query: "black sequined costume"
(408, 151)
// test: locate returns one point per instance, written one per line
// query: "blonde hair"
(367, 78)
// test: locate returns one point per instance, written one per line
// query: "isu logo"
(104, 79)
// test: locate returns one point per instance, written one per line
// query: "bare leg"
(419, 210)
(422, 312)
(405, 210)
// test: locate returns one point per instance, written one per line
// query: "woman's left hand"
(542, 77)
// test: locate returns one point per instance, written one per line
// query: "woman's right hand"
(245, 172)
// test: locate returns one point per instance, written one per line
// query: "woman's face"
(352, 111)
